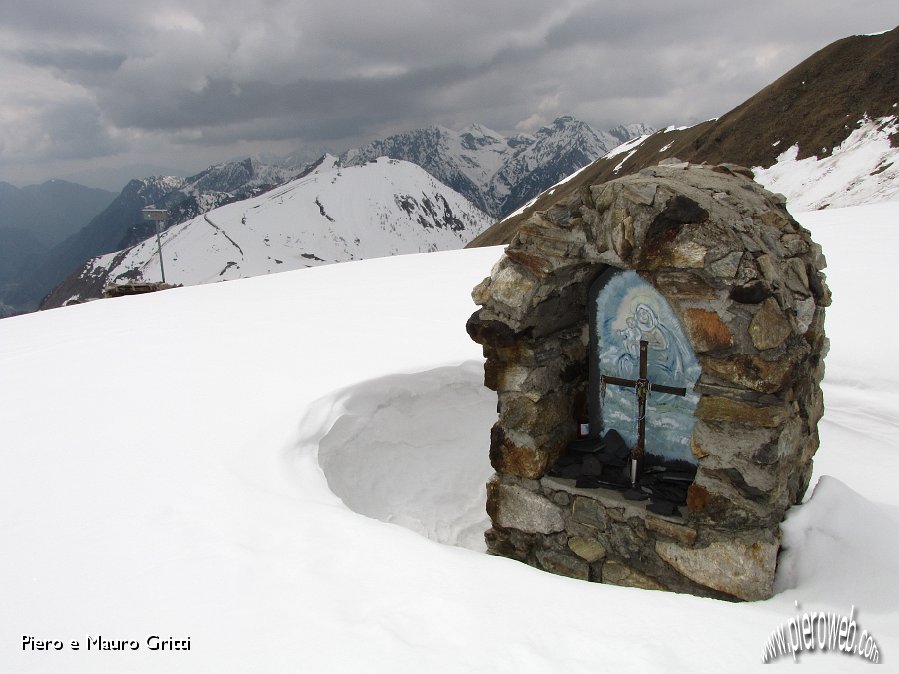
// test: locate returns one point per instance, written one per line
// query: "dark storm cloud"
(91, 61)
(616, 23)
(98, 77)
(225, 101)
(373, 100)
(62, 19)
(77, 132)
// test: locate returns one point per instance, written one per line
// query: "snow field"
(187, 464)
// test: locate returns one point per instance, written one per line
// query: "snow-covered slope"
(120, 225)
(863, 169)
(825, 133)
(494, 172)
(465, 159)
(383, 207)
(170, 464)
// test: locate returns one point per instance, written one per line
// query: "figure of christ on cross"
(642, 386)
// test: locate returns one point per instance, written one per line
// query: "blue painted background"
(629, 309)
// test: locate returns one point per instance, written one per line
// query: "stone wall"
(744, 280)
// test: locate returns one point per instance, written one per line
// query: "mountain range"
(332, 213)
(493, 171)
(35, 218)
(838, 107)
(498, 173)
(51, 211)
(120, 224)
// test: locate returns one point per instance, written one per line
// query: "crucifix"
(642, 386)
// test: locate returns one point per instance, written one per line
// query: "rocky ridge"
(494, 172)
(832, 98)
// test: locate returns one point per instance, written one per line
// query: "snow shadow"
(413, 450)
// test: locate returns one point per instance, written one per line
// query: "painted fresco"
(628, 309)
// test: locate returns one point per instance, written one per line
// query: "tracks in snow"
(224, 233)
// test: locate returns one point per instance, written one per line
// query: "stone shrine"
(656, 343)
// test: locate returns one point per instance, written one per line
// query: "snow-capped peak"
(330, 214)
(496, 172)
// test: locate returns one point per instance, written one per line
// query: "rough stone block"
(587, 549)
(677, 255)
(621, 233)
(516, 458)
(588, 511)
(532, 414)
(678, 532)
(805, 313)
(537, 265)
(796, 276)
(513, 288)
(684, 285)
(707, 331)
(713, 500)
(561, 498)
(741, 569)
(626, 539)
(640, 193)
(794, 244)
(769, 327)
(511, 377)
(714, 408)
(749, 371)
(616, 573)
(562, 564)
(727, 266)
(514, 507)
(480, 295)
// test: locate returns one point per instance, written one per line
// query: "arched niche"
(623, 310)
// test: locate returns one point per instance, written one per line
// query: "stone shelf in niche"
(607, 497)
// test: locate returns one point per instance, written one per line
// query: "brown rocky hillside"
(816, 105)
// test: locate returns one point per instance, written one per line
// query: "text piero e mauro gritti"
(98, 643)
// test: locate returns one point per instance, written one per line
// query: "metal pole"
(157, 215)
(159, 246)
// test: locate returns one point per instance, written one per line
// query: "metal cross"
(642, 386)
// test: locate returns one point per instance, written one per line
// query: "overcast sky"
(99, 91)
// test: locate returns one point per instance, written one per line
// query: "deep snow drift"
(173, 464)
